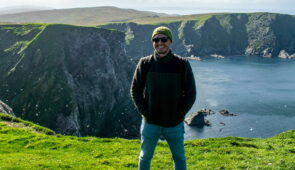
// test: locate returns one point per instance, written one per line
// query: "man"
(163, 90)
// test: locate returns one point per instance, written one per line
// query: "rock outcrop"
(74, 80)
(4, 108)
(283, 54)
(226, 113)
(198, 119)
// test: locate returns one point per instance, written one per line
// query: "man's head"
(162, 39)
(162, 30)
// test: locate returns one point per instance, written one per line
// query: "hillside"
(21, 9)
(259, 34)
(6, 23)
(24, 145)
(79, 16)
(74, 80)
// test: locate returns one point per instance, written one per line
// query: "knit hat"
(162, 30)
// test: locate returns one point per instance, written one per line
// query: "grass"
(200, 18)
(24, 145)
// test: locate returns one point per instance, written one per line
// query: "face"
(162, 48)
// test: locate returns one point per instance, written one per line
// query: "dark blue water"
(261, 91)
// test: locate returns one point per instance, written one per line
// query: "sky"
(168, 6)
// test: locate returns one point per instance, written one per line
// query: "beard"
(161, 52)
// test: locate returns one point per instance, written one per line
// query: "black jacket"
(163, 89)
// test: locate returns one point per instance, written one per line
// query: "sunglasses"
(163, 39)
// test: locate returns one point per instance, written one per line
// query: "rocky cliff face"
(74, 80)
(262, 34)
(4, 108)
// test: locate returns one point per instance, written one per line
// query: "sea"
(260, 91)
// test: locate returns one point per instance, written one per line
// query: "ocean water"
(261, 91)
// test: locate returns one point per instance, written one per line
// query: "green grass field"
(24, 145)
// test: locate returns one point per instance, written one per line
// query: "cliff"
(73, 80)
(262, 34)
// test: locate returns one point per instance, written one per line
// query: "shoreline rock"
(207, 111)
(192, 57)
(197, 119)
(226, 113)
(285, 55)
(216, 56)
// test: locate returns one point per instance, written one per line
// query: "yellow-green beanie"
(162, 30)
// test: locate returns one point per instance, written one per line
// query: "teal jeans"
(150, 135)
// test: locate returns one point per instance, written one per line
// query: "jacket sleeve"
(189, 89)
(137, 88)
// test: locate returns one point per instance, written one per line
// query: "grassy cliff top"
(24, 145)
(200, 18)
(169, 19)
(24, 34)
